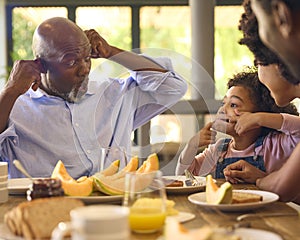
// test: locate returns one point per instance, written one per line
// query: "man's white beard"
(73, 96)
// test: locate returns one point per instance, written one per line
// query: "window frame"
(199, 106)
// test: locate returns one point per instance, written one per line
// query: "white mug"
(3, 194)
(3, 182)
(3, 169)
(107, 222)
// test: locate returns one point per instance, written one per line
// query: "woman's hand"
(245, 122)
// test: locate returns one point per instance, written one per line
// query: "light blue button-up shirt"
(44, 129)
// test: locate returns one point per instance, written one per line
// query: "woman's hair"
(263, 55)
(259, 93)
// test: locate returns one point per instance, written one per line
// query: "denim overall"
(256, 160)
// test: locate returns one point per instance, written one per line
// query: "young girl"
(262, 133)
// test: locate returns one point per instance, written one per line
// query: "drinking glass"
(110, 154)
(145, 196)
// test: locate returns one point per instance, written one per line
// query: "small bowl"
(3, 178)
(3, 195)
(3, 168)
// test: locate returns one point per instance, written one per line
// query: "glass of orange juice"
(145, 196)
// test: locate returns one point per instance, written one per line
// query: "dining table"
(286, 224)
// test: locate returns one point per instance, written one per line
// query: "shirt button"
(88, 151)
(76, 124)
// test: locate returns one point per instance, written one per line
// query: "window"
(24, 22)
(113, 23)
(230, 57)
(162, 28)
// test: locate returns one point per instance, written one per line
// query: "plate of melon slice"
(266, 199)
(225, 198)
(19, 186)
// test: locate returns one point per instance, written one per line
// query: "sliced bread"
(242, 197)
(38, 218)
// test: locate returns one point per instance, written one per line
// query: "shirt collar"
(39, 93)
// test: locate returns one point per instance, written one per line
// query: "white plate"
(268, 198)
(183, 217)
(19, 186)
(100, 199)
(249, 234)
(185, 189)
(254, 234)
(5, 233)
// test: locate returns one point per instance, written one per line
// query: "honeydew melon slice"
(218, 195)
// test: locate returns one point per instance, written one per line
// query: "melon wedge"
(110, 186)
(150, 164)
(111, 169)
(218, 195)
(81, 187)
(132, 165)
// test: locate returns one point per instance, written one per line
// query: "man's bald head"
(55, 35)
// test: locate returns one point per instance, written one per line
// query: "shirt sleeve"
(8, 134)
(201, 164)
(278, 146)
(290, 125)
(157, 91)
(187, 156)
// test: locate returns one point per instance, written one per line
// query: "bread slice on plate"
(38, 218)
(243, 197)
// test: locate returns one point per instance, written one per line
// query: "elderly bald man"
(50, 110)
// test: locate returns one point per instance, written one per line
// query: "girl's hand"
(206, 135)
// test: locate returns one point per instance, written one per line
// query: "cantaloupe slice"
(111, 169)
(111, 186)
(81, 187)
(150, 164)
(218, 195)
(115, 184)
(132, 165)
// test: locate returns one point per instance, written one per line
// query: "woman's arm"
(285, 181)
(248, 121)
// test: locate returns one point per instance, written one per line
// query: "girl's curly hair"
(260, 94)
(263, 55)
